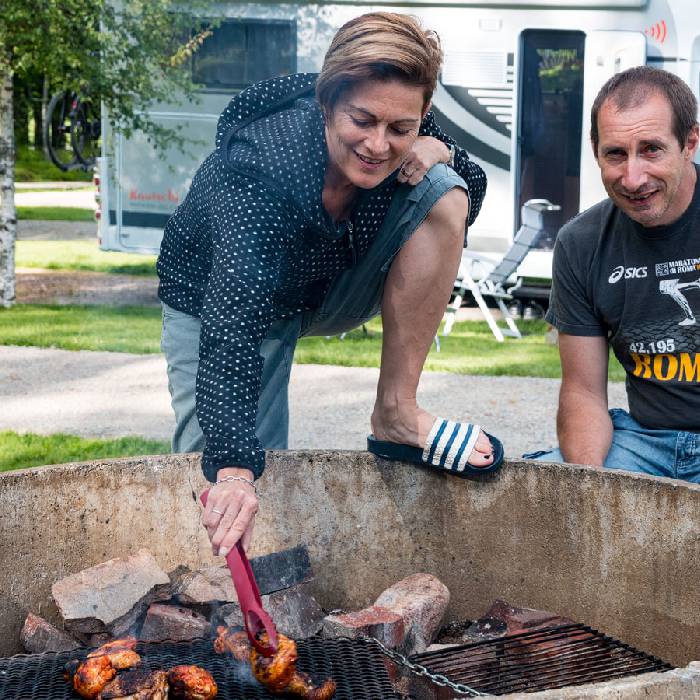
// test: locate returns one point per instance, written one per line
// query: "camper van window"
(241, 52)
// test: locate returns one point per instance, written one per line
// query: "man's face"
(645, 171)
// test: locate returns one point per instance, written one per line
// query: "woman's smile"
(371, 130)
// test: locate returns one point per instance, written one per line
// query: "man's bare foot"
(408, 424)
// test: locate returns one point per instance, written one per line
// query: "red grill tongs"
(255, 618)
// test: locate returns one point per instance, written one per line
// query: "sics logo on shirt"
(628, 273)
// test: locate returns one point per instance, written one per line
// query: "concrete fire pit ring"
(618, 551)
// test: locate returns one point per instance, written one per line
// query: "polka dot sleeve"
(250, 235)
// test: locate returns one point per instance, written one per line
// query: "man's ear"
(691, 143)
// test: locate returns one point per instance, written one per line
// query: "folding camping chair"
(494, 274)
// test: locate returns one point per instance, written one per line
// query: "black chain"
(419, 670)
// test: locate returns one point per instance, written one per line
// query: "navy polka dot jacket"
(251, 243)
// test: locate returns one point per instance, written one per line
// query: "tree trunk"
(8, 213)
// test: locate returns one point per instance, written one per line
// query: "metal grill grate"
(544, 659)
(357, 668)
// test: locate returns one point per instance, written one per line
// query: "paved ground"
(106, 394)
(58, 185)
(80, 198)
(56, 230)
(36, 286)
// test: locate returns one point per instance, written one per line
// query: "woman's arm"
(250, 234)
(467, 169)
(249, 239)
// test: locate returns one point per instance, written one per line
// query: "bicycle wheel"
(57, 128)
(85, 133)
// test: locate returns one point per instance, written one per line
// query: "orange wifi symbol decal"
(657, 31)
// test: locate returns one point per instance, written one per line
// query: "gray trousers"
(354, 297)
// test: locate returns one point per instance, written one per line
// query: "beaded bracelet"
(239, 478)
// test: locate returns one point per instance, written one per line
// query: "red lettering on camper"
(146, 196)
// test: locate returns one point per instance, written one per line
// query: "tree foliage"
(124, 54)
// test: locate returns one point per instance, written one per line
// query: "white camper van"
(516, 89)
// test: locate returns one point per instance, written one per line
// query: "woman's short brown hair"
(379, 46)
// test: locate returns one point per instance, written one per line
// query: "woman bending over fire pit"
(329, 199)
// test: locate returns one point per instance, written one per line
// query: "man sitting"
(627, 275)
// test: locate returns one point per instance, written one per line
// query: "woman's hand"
(230, 511)
(425, 152)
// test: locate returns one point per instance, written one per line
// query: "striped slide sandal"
(447, 449)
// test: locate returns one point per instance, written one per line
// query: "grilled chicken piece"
(137, 684)
(302, 685)
(275, 672)
(191, 683)
(233, 642)
(90, 677)
(120, 653)
(279, 675)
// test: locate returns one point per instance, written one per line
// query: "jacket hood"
(273, 132)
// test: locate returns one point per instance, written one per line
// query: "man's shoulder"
(588, 226)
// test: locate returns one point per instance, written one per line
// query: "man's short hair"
(635, 85)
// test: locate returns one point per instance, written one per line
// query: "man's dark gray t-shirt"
(640, 288)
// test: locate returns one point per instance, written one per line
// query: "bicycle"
(71, 132)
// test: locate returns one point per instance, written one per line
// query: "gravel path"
(74, 197)
(31, 230)
(35, 286)
(104, 394)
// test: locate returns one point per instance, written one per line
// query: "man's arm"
(584, 427)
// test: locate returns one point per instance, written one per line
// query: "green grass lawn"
(81, 255)
(32, 166)
(54, 214)
(31, 450)
(469, 349)
(120, 329)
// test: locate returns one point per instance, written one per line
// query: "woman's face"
(371, 130)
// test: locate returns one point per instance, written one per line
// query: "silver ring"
(220, 512)
(403, 170)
